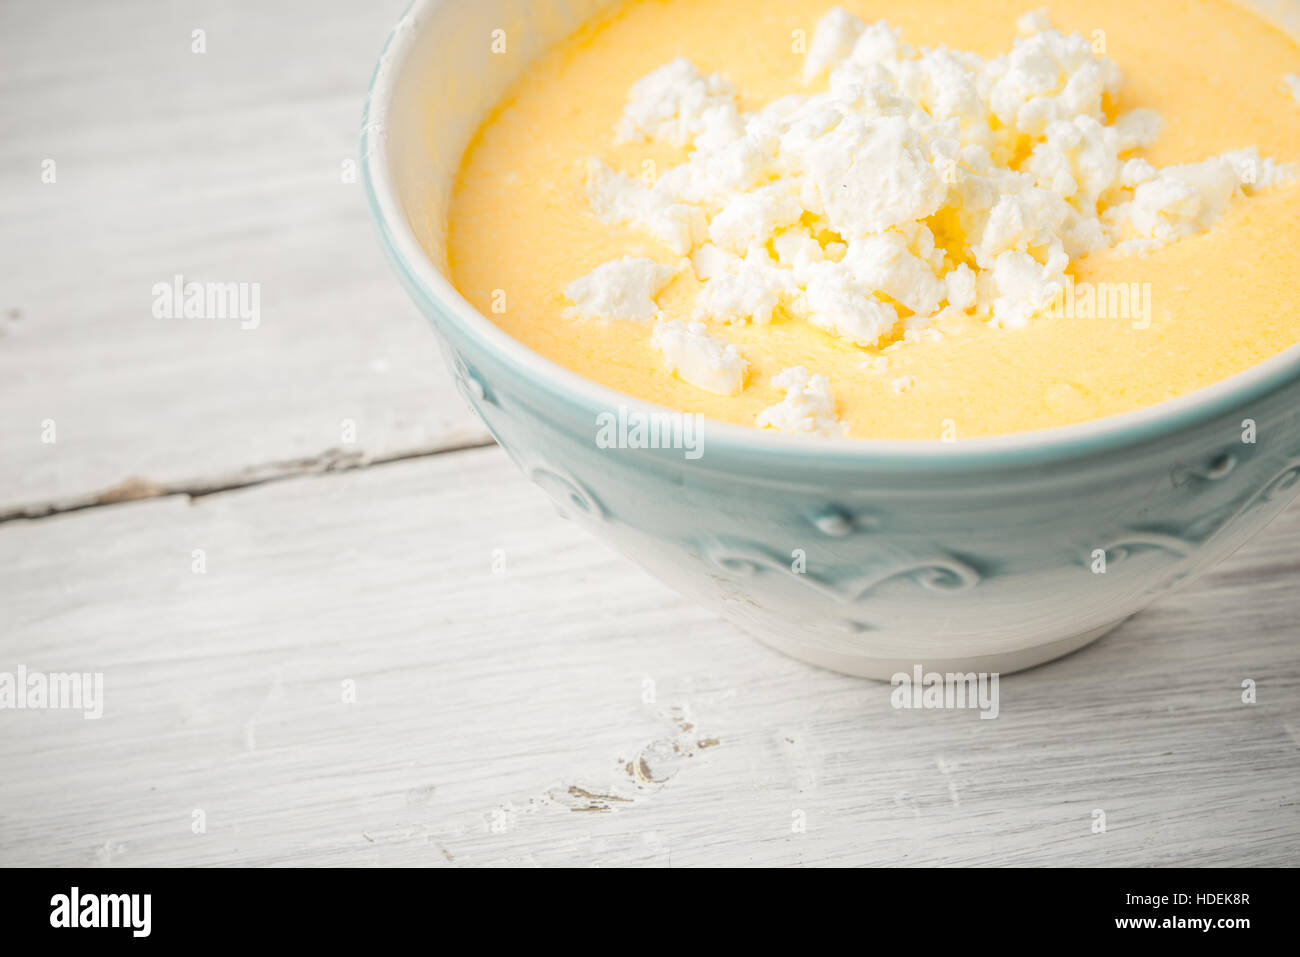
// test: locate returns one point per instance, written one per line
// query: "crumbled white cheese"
(1050, 76)
(1024, 286)
(744, 290)
(620, 289)
(679, 106)
(878, 43)
(828, 206)
(883, 262)
(1033, 21)
(832, 300)
(1258, 172)
(749, 219)
(960, 288)
(708, 261)
(798, 249)
(1136, 128)
(617, 198)
(1181, 200)
(711, 176)
(832, 41)
(808, 406)
(872, 173)
(902, 384)
(699, 358)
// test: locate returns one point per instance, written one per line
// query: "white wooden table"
(396, 652)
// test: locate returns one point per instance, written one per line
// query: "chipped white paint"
(561, 710)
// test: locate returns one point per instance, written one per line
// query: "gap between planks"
(136, 489)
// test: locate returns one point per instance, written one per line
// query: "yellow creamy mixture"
(1220, 301)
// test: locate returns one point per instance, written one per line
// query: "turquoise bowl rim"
(438, 298)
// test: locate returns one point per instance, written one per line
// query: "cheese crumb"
(808, 407)
(824, 207)
(620, 289)
(678, 106)
(832, 300)
(833, 40)
(1181, 200)
(699, 358)
(743, 290)
(616, 198)
(1033, 21)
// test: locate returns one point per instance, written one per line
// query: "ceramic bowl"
(867, 557)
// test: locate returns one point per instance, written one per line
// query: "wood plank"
(224, 166)
(568, 709)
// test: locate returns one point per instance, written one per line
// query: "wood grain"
(567, 709)
(522, 695)
(225, 166)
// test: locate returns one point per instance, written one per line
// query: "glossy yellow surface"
(1221, 302)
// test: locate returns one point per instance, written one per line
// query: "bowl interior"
(444, 79)
(438, 79)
